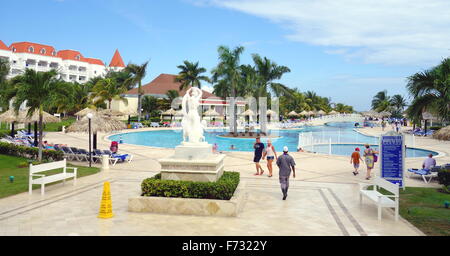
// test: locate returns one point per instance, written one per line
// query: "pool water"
(337, 132)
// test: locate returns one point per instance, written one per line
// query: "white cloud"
(393, 32)
(207, 88)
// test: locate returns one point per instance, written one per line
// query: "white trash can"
(105, 162)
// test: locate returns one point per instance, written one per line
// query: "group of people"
(370, 157)
(285, 163)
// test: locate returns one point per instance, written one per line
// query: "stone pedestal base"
(208, 167)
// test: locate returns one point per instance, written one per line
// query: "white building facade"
(71, 64)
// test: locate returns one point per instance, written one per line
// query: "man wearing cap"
(285, 162)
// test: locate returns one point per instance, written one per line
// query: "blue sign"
(392, 158)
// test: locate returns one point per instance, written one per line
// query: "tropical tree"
(172, 94)
(267, 72)
(38, 90)
(342, 108)
(228, 73)
(123, 77)
(149, 104)
(190, 75)
(381, 102)
(430, 90)
(108, 89)
(138, 73)
(5, 86)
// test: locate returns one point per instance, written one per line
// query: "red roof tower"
(3, 46)
(117, 60)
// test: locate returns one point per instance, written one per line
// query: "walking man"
(285, 162)
(259, 148)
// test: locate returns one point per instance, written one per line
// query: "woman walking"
(369, 156)
(271, 155)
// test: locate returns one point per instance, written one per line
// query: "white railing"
(307, 140)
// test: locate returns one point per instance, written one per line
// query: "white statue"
(192, 126)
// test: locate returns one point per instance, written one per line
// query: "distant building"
(70, 64)
(158, 88)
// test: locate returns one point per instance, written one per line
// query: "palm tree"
(381, 102)
(268, 71)
(138, 73)
(228, 73)
(107, 89)
(38, 90)
(149, 104)
(431, 92)
(189, 76)
(5, 86)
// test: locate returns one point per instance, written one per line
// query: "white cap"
(285, 149)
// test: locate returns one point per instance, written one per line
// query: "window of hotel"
(54, 53)
(43, 51)
(14, 49)
(31, 49)
(77, 57)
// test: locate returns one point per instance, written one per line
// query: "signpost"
(392, 153)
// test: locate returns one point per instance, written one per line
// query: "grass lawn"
(424, 208)
(56, 127)
(9, 167)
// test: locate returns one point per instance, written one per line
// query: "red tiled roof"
(94, 61)
(70, 55)
(37, 48)
(116, 60)
(3, 46)
(163, 83)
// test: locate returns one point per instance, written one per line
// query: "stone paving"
(323, 200)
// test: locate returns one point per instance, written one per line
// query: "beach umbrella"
(311, 113)
(111, 112)
(85, 111)
(129, 113)
(333, 112)
(385, 113)
(46, 118)
(248, 112)
(10, 116)
(170, 112)
(442, 134)
(211, 112)
(304, 113)
(321, 112)
(292, 113)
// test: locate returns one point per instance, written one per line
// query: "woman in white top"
(271, 155)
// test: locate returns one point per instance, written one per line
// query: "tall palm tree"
(228, 73)
(268, 71)
(381, 101)
(38, 90)
(107, 89)
(431, 92)
(189, 75)
(5, 85)
(138, 73)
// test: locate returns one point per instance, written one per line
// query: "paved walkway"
(323, 200)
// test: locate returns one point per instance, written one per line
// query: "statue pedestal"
(193, 162)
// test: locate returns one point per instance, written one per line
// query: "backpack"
(375, 158)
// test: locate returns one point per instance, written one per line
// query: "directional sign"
(392, 151)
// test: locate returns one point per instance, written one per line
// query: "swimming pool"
(338, 133)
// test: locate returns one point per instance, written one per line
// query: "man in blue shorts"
(259, 148)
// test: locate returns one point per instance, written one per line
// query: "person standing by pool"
(271, 154)
(369, 156)
(354, 159)
(285, 162)
(259, 147)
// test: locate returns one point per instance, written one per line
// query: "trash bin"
(105, 162)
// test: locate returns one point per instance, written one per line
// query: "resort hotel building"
(158, 88)
(71, 64)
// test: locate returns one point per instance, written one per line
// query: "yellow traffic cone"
(106, 204)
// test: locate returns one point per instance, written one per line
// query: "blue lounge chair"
(425, 173)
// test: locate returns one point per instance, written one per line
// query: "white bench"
(379, 199)
(34, 169)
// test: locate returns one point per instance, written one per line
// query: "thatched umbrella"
(385, 113)
(311, 113)
(332, 112)
(85, 111)
(46, 118)
(170, 112)
(248, 113)
(321, 112)
(211, 112)
(10, 116)
(129, 113)
(99, 123)
(111, 112)
(442, 134)
(292, 113)
(304, 113)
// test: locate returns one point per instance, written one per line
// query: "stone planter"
(189, 206)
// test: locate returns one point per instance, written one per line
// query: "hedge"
(223, 189)
(29, 152)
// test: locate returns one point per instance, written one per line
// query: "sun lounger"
(425, 173)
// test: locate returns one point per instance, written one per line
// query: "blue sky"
(347, 50)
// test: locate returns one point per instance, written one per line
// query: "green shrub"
(444, 177)
(223, 189)
(29, 152)
(435, 128)
(155, 119)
